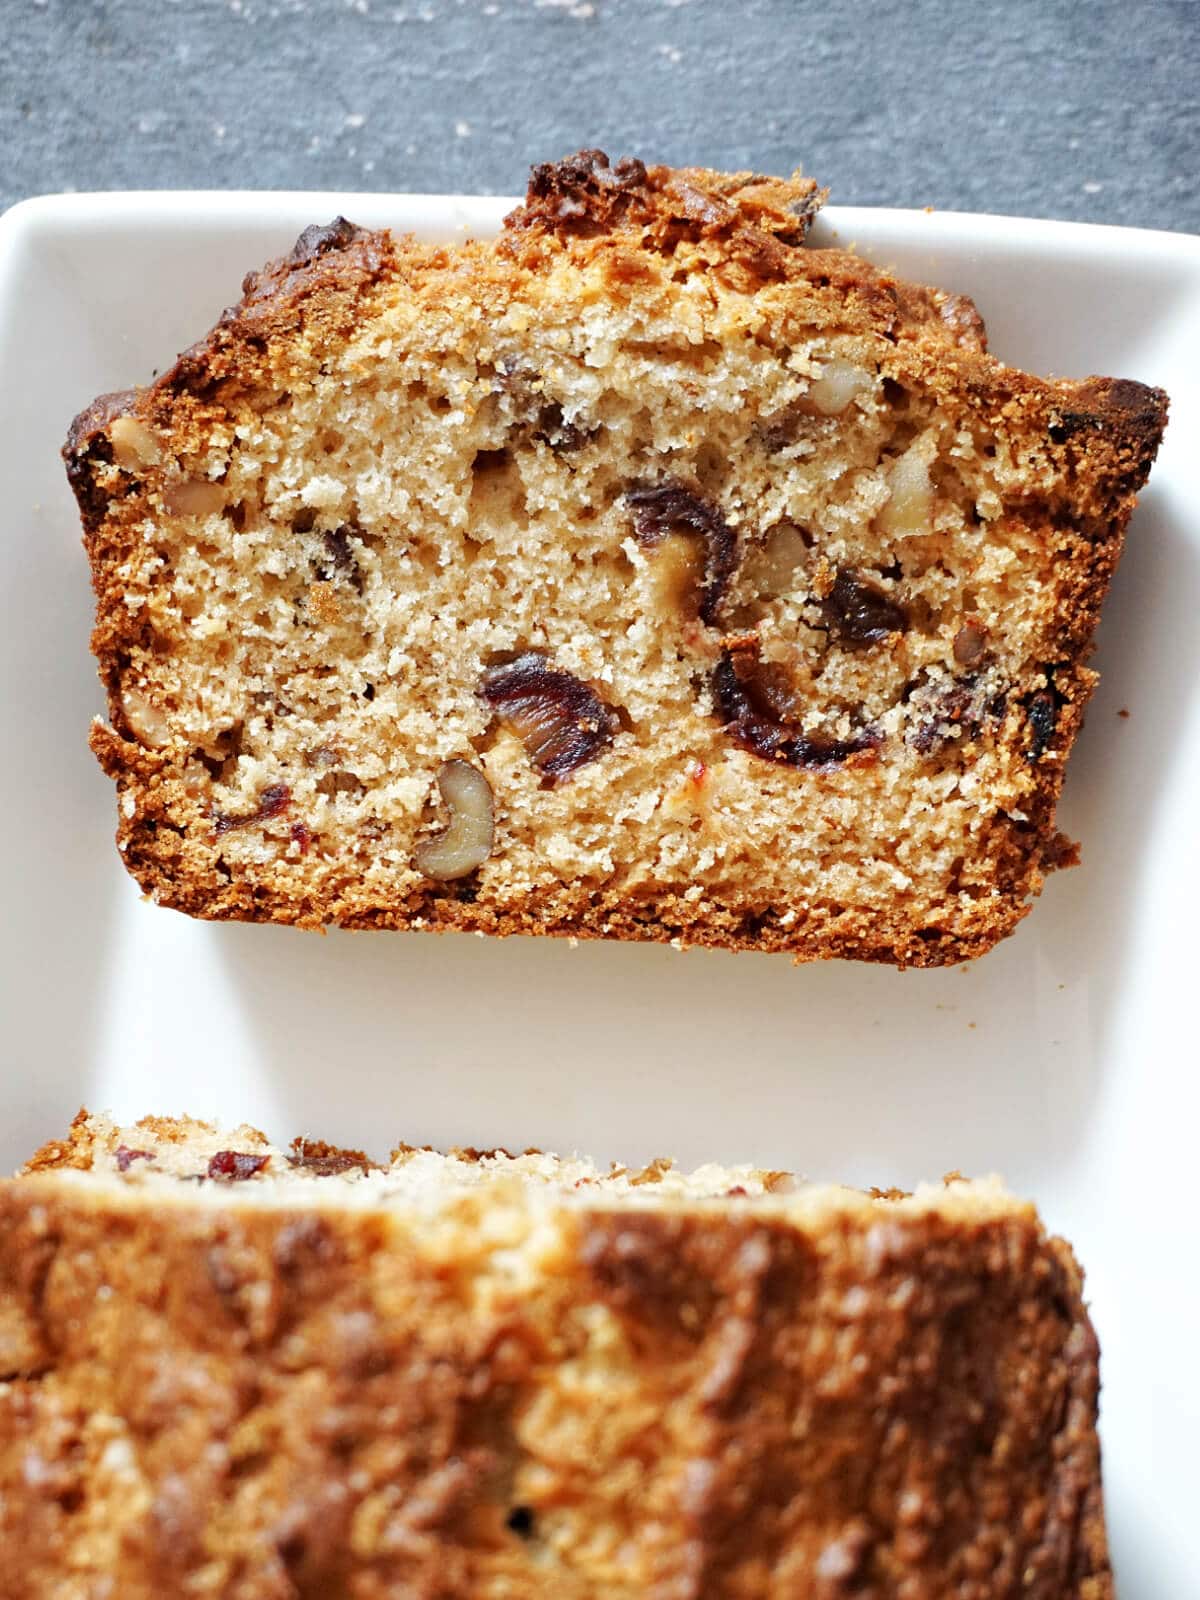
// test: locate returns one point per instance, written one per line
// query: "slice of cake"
(644, 573)
(230, 1370)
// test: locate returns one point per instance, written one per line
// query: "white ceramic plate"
(1066, 1060)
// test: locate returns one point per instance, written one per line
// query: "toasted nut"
(678, 572)
(910, 507)
(771, 569)
(145, 721)
(193, 498)
(133, 445)
(466, 842)
(835, 386)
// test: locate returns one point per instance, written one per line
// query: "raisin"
(235, 1165)
(858, 611)
(746, 706)
(562, 723)
(660, 509)
(125, 1157)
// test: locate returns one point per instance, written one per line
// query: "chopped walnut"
(466, 842)
(770, 570)
(969, 643)
(144, 720)
(193, 498)
(134, 447)
(909, 509)
(837, 384)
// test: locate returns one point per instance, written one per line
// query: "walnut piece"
(133, 445)
(144, 720)
(772, 568)
(466, 842)
(910, 507)
(195, 497)
(835, 386)
(969, 643)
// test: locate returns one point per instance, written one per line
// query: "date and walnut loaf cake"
(645, 572)
(229, 1370)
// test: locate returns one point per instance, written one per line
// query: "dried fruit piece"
(859, 611)
(660, 509)
(272, 803)
(236, 1165)
(1043, 719)
(466, 842)
(342, 560)
(969, 643)
(554, 430)
(125, 1156)
(326, 1160)
(948, 710)
(562, 722)
(746, 706)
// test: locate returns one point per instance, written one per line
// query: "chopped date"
(748, 716)
(562, 722)
(858, 611)
(329, 1166)
(943, 711)
(554, 430)
(1043, 719)
(341, 560)
(125, 1157)
(660, 509)
(236, 1165)
(273, 802)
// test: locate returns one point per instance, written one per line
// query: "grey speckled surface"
(1060, 109)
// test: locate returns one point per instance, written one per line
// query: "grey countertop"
(1058, 109)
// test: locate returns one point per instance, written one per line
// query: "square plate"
(1067, 1059)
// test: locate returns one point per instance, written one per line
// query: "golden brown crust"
(1099, 436)
(308, 1398)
